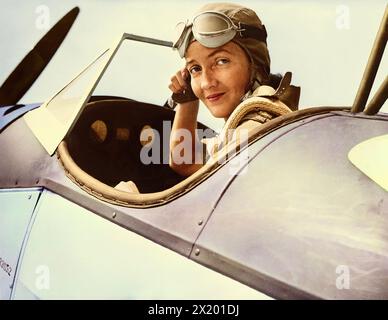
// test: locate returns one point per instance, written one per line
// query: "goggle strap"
(247, 31)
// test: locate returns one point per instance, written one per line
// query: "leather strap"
(253, 32)
(285, 92)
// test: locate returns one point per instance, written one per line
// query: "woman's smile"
(215, 97)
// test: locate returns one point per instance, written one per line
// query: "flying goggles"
(213, 29)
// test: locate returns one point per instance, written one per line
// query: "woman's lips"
(215, 97)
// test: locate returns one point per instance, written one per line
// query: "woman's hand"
(185, 120)
(181, 88)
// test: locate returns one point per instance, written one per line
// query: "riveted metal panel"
(72, 253)
(23, 161)
(16, 208)
(303, 222)
(175, 225)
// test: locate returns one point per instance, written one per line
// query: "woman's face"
(219, 76)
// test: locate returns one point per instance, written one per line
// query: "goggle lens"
(213, 29)
(211, 23)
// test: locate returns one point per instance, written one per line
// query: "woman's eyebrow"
(218, 51)
(190, 61)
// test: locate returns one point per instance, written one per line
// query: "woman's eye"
(222, 61)
(194, 69)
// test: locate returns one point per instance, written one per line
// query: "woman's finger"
(175, 88)
(180, 79)
(177, 84)
(184, 73)
(172, 88)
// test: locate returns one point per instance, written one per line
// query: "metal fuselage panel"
(176, 224)
(300, 216)
(73, 253)
(16, 211)
(294, 162)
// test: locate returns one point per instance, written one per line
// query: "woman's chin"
(219, 112)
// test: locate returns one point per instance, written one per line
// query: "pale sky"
(325, 44)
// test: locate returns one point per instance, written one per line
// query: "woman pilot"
(226, 62)
(227, 67)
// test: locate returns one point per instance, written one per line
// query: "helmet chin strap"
(254, 83)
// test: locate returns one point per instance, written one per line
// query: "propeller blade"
(29, 69)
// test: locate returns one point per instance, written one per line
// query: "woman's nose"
(208, 79)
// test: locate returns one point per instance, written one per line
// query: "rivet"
(197, 252)
(114, 215)
(200, 222)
